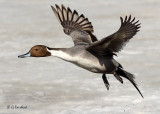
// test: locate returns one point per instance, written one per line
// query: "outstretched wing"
(116, 42)
(78, 27)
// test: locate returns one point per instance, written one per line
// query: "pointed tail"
(129, 76)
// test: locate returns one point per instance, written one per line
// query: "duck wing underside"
(75, 25)
(115, 42)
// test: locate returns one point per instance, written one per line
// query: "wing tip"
(72, 19)
(53, 8)
(56, 6)
(128, 20)
(121, 20)
(62, 6)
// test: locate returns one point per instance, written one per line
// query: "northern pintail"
(88, 52)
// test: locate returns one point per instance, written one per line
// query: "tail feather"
(128, 76)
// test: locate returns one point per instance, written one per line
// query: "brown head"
(37, 51)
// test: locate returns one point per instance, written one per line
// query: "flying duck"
(88, 52)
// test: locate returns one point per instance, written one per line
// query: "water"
(50, 85)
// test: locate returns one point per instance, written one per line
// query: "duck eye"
(36, 49)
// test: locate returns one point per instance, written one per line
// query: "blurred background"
(50, 85)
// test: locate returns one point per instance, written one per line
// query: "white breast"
(86, 63)
(62, 55)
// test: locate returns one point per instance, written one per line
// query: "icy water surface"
(53, 86)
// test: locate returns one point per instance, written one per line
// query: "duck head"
(37, 51)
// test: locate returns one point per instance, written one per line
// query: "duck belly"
(91, 64)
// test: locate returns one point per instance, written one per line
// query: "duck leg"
(118, 77)
(106, 83)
